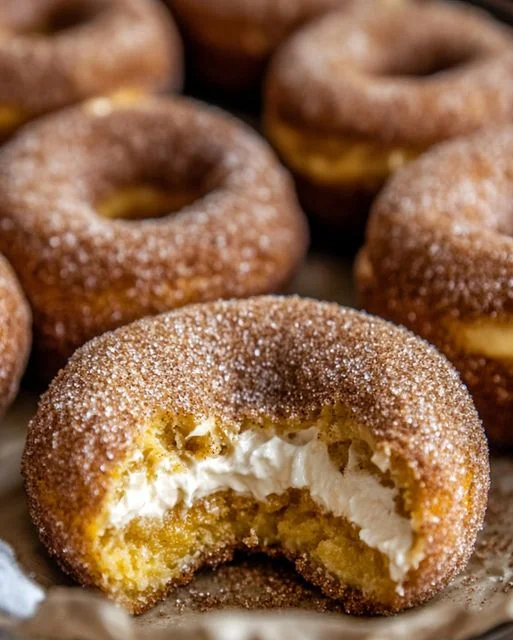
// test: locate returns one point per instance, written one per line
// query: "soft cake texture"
(15, 334)
(278, 424)
(355, 95)
(262, 464)
(54, 53)
(438, 259)
(111, 211)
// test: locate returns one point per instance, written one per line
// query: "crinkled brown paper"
(283, 607)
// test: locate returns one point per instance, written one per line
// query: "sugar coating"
(448, 217)
(119, 43)
(354, 73)
(253, 361)
(85, 274)
(15, 333)
(439, 250)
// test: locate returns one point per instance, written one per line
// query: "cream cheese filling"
(263, 463)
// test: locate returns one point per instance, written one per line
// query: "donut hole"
(139, 557)
(67, 18)
(11, 118)
(145, 201)
(69, 15)
(59, 17)
(426, 64)
(145, 188)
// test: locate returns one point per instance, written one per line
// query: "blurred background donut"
(356, 94)
(131, 210)
(229, 42)
(54, 53)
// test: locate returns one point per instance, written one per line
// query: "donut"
(110, 212)
(54, 53)
(230, 41)
(357, 94)
(284, 425)
(438, 258)
(15, 334)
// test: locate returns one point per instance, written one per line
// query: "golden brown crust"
(15, 334)
(109, 45)
(230, 41)
(438, 252)
(385, 94)
(264, 358)
(85, 274)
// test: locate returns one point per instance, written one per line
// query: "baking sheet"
(254, 598)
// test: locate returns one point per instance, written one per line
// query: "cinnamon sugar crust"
(446, 74)
(242, 233)
(15, 334)
(438, 258)
(259, 361)
(57, 52)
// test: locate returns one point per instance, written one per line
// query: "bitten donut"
(230, 41)
(75, 186)
(57, 52)
(282, 425)
(439, 258)
(355, 95)
(15, 334)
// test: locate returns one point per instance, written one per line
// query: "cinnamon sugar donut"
(283, 425)
(14, 334)
(230, 41)
(75, 186)
(439, 259)
(57, 52)
(355, 95)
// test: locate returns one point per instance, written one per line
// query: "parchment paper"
(215, 605)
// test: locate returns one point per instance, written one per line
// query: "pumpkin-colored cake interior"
(195, 489)
(328, 158)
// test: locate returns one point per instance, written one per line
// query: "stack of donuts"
(145, 239)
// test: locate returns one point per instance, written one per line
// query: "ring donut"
(355, 95)
(70, 216)
(15, 334)
(231, 41)
(438, 259)
(283, 425)
(54, 53)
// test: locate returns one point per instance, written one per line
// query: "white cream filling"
(261, 464)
